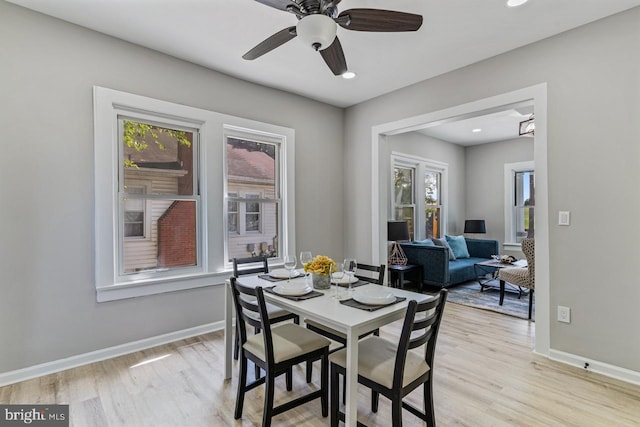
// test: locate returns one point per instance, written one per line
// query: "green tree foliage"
(135, 136)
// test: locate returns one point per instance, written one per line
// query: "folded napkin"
(271, 279)
(353, 285)
(355, 304)
(310, 295)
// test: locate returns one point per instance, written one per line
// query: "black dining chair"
(275, 350)
(392, 368)
(276, 314)
(376, 278)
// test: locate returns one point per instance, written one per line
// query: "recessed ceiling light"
(476, 130)
(516, 3)
(348, 75)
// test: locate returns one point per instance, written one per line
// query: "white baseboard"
(591, 365)
(47, 368)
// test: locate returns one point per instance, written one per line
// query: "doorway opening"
(535, 96)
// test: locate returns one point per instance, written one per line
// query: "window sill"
(512, 246)
(141, 288)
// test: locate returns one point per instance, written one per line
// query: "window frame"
(420, 166)
(146, 211)
(283, 188)
(510, 228)
(213, 269)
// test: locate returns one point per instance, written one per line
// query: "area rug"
(469, 294)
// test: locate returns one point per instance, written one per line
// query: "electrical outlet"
(564, 314)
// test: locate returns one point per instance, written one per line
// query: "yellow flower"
(321, 264)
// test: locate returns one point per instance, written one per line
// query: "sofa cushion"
(458, 245)
(443, 242)
(462, 270)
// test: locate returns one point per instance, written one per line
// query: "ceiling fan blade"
(278, 4)
(267, 45)
(334, 57)
(379, 20)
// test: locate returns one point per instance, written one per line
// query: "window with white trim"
(420, 202)
(159, 186)
(519, 179)
(253, 190)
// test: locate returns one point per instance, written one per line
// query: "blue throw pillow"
(443, 242)
(425, 242)
(458, 246)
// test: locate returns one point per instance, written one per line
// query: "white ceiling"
(216, 33)
(491, 127)
(455, 33)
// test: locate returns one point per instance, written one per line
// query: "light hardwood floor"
(485, 375)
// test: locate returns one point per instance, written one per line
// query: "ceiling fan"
(317, 26)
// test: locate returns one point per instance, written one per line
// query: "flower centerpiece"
(320, 268)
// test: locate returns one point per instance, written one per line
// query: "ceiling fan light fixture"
(317, 31)
(516, 3)
(348, 75)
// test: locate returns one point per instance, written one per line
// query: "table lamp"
(397, 231)
(475, 226)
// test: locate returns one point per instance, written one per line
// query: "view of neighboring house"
(157, 230)
(252, 206)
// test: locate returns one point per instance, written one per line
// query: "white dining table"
(329, 311)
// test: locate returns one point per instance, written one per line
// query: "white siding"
(143, 253)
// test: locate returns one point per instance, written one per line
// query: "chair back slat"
(377, 279)
(429, 322)
(252, 309)
(262, 268)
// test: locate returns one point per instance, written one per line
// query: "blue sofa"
(438, 270)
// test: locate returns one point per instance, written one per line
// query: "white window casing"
(510, 170)
(212, 267)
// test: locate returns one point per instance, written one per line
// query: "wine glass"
(349, 266)
(305, 258)
(290, 264)
(336, 277)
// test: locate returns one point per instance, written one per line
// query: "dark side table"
(397, 272)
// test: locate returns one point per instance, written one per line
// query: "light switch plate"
(564, 218)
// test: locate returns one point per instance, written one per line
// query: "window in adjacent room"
(403, 196)
(418, 195)
(432, 203)
(519, 202)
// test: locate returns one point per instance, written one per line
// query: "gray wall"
(593, 78)
(484, 182)
(420, 145)
(48, 308)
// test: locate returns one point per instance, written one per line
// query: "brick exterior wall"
(176, 235)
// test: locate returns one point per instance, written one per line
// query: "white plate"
(374, 297)
(282, 273)
(291, 291)
(342, 280)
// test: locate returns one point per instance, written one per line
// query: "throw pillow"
(425, 242)
(443, 242)
(458, 246)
